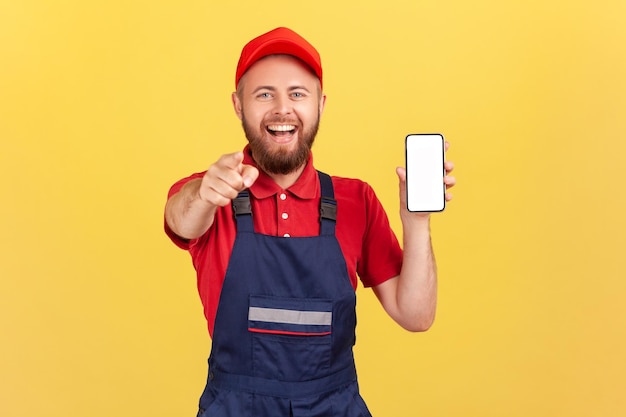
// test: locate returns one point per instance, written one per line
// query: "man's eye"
(297, 95)
(264, 96)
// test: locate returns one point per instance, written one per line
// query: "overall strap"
(328, 205)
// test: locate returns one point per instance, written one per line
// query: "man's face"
(279, 103)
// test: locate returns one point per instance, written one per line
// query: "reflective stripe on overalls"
(284, 329)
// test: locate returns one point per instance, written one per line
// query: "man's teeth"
(281, 128)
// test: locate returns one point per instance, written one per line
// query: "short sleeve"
(381, 255)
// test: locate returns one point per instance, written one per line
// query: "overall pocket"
(291, 337)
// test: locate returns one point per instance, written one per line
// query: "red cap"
(279, 41)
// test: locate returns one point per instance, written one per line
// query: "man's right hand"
(225, 179)
(191, 211)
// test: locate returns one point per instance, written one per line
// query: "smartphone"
(425, 189)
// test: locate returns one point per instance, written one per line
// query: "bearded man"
(279, 248)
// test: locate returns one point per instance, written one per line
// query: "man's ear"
(322, 103)
(237, 105)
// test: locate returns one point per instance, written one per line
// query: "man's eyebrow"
(263, 87)
(298, 87)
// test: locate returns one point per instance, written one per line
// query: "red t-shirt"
(368, 243)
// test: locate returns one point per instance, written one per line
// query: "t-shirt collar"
(306, 187)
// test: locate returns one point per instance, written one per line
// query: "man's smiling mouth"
(281, 129)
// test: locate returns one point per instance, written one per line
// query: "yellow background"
(104, 104)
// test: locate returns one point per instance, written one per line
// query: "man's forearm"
(186, 214)
(410, 298)
(417, 284)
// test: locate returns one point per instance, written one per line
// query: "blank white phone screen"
(425, 188)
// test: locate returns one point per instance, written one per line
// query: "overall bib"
(284, 329)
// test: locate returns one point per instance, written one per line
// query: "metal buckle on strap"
(328, 208)
(241, 204)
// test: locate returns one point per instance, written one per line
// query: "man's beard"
(279, 161)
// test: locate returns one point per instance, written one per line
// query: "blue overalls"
(284, 329)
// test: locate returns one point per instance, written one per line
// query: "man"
(277, 247)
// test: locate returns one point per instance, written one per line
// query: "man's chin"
(280, 162)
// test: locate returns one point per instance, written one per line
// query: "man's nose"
(283, 105)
